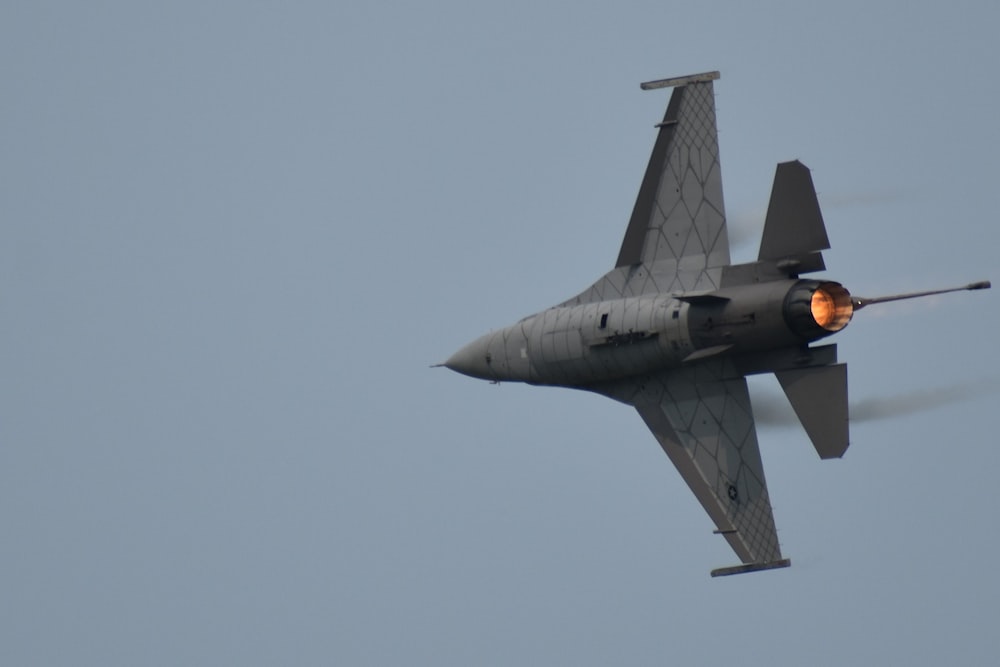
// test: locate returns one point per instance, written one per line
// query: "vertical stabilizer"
(819, 396)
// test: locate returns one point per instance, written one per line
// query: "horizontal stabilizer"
(750, 567)
(794, 225)
(819, 397)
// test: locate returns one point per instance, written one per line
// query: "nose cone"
(473, 359)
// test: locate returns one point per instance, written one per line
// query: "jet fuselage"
(674, 328)
(580, 345)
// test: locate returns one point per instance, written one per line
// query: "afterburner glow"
(831, 306)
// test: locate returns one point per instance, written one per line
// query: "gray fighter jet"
(674, 328)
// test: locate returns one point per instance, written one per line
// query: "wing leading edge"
(679, 212)
(702, 417)
(676, 239)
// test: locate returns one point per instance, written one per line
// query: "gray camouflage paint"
(674, 328)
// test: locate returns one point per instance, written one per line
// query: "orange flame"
(832, 307)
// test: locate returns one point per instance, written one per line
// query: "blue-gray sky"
(234, 235)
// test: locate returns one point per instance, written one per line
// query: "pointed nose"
(473, 359)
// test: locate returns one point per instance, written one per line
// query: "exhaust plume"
(920, 400)
(772, 409)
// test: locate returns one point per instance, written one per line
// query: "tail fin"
(794, 224)
(819, 396)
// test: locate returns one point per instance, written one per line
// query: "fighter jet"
(674, 328)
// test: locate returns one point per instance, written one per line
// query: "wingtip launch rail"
(680, 80)
(751, 567)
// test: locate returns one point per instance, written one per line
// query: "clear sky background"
(234, 236)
